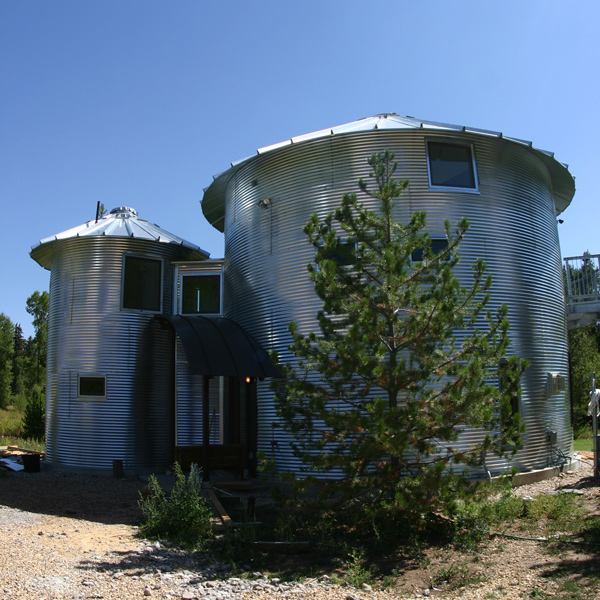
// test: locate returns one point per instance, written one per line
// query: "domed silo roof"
(120, 222)
(563, 184)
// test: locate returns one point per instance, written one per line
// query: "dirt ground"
(69, 535)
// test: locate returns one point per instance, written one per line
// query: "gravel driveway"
(68, 535)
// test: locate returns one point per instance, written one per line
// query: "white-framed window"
(451, 166)
(142, 283)
(200, 293)
(91, 386)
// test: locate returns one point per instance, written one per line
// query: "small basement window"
(92, 386)
(142, 283)
(438, 245)
(201, 294)
(451, 166)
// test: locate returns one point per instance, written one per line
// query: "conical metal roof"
(122, 222)
(563, 184)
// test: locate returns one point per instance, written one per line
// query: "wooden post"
(205, 424)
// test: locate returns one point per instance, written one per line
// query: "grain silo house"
(157, 352)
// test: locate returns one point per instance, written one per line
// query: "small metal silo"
(110, 389)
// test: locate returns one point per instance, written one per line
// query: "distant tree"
(34, 419)
(6, 359)
(405, 359)
(584, 360)
(36, 347)
(18, 366)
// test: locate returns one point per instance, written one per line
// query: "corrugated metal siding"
(513, 227)
(188, 395)
(89, 333)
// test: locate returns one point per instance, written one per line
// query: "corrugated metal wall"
(90, 334)
(513, 227)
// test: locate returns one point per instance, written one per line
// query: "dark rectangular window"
(201, 294)
(343, 253)
(92, 386)
(142, 283)
(451, 165)
(438, 245)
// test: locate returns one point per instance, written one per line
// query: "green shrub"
(182, 517)
(34, 419)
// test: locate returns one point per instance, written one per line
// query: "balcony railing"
(582, 278)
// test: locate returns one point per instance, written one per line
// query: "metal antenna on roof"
(99, 210)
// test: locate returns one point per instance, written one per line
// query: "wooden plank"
(225, 518)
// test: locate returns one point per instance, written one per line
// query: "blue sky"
(140, 102)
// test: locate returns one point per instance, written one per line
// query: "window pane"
(343, 254)
(201, 294)
(92, 386)
(437, 245)
(142, 283)
(451, 165)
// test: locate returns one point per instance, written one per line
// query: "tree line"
(23, 360)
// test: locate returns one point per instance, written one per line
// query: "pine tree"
(17, 385)
(36, 346)
(404, 360)
(6, 358)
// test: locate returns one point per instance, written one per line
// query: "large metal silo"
(262, 204)
(110, 367)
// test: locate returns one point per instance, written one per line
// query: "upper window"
(451, 166)
(201, 294)
(438, 245)
(141, 283)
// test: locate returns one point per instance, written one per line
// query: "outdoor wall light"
(265, 203)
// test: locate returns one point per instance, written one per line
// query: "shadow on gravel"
(90, 496)
(149, 560)
(578, 562)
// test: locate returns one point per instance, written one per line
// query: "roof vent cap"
(124, 211)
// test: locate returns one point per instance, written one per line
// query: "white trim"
(198, 273)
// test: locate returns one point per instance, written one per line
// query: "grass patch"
(456, 576)
(11, 422)
(583, 445)
(37, 445)
(11, 430)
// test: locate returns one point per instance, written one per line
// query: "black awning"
(219, 346)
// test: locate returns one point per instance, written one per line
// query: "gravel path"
(65, 535)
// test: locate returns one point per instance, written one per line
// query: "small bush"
(356, 569)
(182, 517)
(34, 419)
